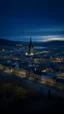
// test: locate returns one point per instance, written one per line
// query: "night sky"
(43, 20)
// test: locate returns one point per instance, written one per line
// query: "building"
(48, 78)
(30, 51)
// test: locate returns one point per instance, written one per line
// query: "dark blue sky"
(41, 19)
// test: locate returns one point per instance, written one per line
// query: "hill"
(4, 42)
(48, 43)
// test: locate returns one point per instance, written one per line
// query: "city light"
(11, 70)
(26, 53)
(32, 54)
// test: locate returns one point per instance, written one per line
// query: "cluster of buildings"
(35, 66)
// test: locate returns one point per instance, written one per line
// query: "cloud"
(43, 38)
(51, 38)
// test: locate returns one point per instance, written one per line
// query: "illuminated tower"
(31, 47)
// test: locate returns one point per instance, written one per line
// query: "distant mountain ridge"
(49, 43)
(9, 42)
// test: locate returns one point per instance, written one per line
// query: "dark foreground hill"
(18, 99)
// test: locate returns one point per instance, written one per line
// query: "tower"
(30, 47)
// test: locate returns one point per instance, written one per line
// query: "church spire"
(30, 41)
(30, 47)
